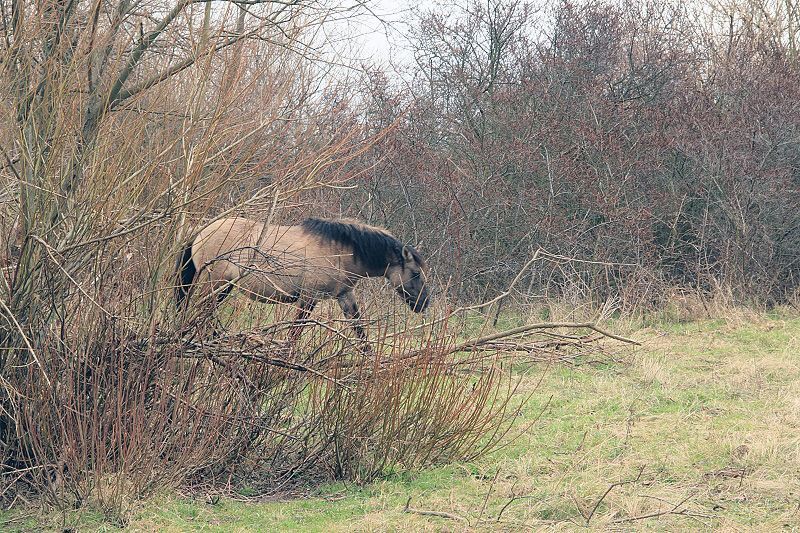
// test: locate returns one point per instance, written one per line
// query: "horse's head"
(408, 277)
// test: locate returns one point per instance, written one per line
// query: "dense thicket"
(658, 138)
(127, 125)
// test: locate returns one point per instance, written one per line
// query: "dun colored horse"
(316, 260)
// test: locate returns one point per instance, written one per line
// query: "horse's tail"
(186, 272)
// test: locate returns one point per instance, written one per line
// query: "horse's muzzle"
(416, 302)
(420, 306)
(419, 303)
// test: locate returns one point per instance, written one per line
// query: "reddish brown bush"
(657, 138)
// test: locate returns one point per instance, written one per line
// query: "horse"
(303, 264)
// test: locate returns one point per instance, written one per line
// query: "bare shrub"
(128, 125)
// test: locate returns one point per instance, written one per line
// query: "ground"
(703, 420)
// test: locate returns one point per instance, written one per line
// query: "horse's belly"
(273, 288)
(280, 288)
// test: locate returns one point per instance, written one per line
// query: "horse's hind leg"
(207, 295)
(220, 293)
(304, 310)
(224, 292)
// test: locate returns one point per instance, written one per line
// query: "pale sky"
(385, 41)
(381, 37)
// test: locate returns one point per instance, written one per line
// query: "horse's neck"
(363, 271)
(360, 270)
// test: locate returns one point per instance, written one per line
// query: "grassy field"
(699, 428)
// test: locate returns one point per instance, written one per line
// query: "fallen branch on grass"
(440, 514)
(335, 356)
(540, 326)
(607, 492)
(509, 502)
(674, 510)
(490, 342)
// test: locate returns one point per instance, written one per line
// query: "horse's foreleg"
(347, 301)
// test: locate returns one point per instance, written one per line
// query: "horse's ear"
(408, 256)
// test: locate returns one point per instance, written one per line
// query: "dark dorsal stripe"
(374, 248)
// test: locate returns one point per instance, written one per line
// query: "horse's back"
(268, 262)
(230, 234)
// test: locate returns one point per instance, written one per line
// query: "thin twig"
(27, 342)
(609, 489)
(488, 493)
(674, 510)
(512, 500)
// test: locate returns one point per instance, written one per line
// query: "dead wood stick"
(273, 361)
(673, 511)
(541, 325)
(512, 500)
(609, 489)
(440, 514)
(471, 344)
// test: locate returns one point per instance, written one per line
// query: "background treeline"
(660, 138)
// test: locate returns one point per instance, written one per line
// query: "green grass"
(708, 411)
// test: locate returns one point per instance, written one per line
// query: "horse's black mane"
(375, 248)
